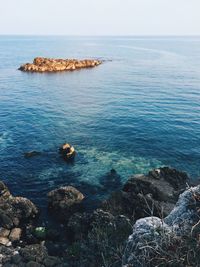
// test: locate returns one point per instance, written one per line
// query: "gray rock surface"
(151, 231)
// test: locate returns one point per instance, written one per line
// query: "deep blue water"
(138, 110)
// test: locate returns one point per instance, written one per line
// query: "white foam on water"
(5, 139)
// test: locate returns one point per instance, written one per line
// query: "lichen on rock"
(153, 236)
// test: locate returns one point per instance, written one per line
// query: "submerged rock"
(31, 154)
(41, 64)
(145, 195)
(65, 201)
(111, 181)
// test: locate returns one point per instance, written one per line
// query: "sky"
(100, 17)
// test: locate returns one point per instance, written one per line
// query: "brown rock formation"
(15, 211)
(41, 64)
(65, 201)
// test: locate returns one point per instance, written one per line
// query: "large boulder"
(144, 195)
(15, 211)
(166, 240)
(65, 201)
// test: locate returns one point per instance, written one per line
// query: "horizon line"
(103, 35)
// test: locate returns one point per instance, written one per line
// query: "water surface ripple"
(137, 111)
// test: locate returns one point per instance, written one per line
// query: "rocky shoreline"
(115, 233)
(41, 64)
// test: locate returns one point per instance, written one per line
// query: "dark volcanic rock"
(175, 178)
(65, 201)
(146, 195)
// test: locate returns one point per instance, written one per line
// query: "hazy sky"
(100, 17)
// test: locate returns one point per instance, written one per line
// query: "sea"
(137, 111)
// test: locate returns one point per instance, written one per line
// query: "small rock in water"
(67, 151)
(31, 154)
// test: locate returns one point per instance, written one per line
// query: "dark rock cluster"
(15, 211)
(83, 238)
(144, 195)
(30, 256)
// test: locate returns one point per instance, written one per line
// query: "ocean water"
(139, 110)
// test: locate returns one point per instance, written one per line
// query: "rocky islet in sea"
(41, 64)
(85, 236)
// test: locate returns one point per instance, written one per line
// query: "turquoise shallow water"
(138, 110)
